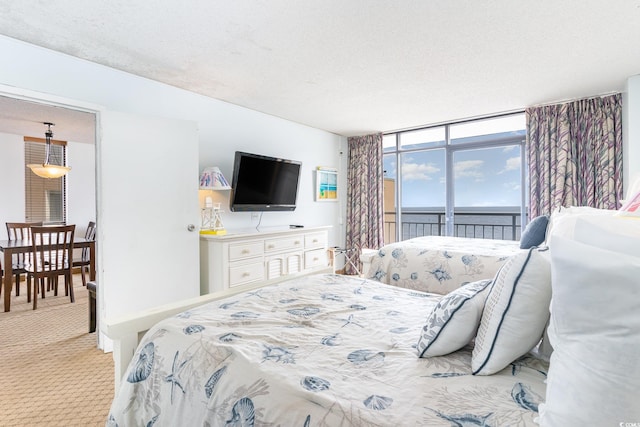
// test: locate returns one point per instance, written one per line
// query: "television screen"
(263, 183)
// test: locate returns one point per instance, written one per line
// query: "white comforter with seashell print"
(324, 350)
(439, 264)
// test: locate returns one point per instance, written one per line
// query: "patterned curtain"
(364, 194)
(575, 154)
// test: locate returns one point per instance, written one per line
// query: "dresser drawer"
(315, 258)
(315, 240)
(247, 259)
(246, 273)
(245, 250)
(283, 244)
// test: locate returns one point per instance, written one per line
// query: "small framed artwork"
(326, 185)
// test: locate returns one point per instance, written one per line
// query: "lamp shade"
(212, 179)
(46, 169)
(49, 170)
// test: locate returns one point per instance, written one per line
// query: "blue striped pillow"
(515, 312)
(454, 320)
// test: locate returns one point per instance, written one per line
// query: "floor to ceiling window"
(461, 179)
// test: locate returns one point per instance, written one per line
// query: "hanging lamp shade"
(46, 169)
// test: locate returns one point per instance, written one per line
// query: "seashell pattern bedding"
(439, 264)
(322, 350)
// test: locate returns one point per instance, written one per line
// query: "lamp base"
(214, 232)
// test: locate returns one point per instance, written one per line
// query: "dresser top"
(263, 232)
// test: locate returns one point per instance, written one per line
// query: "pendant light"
(47, 170)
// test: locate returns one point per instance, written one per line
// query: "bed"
(437, 264)
(331, 350)
(320, 350)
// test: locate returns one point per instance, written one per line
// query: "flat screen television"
(263, 183)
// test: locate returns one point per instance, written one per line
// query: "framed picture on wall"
(326, 185)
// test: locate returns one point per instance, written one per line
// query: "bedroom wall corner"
(631, 131)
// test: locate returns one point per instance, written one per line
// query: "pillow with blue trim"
(535, 232)
(515, 312)
(454, 320)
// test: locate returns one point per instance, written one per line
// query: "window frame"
(450, 149)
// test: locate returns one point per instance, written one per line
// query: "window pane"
(423, 193)
(423, 138)
(488, 130)
(487, 192)
(53, 206)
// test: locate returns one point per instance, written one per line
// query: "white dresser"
(270, 255)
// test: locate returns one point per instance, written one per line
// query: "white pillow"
(562, 221)
(594, 373)
(515, 313)
(453, 322)
(601, 230)
(605, 233)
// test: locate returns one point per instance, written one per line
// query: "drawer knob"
(245, 274)
(246, 251)
(297, 242)
(271, 246)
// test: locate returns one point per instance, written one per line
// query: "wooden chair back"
(20, 230)
(90, 234)
(85, 259)
(20, 261)
(52, 251)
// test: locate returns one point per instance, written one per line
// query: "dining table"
(10, 247)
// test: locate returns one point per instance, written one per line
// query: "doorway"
(23, 116)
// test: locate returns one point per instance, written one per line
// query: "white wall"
(81, 185)
(631, 131)
(288, 141)
(12, 207)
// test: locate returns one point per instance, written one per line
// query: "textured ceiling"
(27, 119)
(352, 66)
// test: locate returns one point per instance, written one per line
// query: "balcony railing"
(471, 223)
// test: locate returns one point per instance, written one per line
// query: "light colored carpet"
(52, 373)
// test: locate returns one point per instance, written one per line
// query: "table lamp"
(211, 178)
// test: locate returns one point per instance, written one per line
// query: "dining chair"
(84, 261)
(20, 262)
(52, 256)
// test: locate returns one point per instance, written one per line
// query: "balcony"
(477, 223)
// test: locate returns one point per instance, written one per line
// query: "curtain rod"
(567, 101)
(491, 116)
